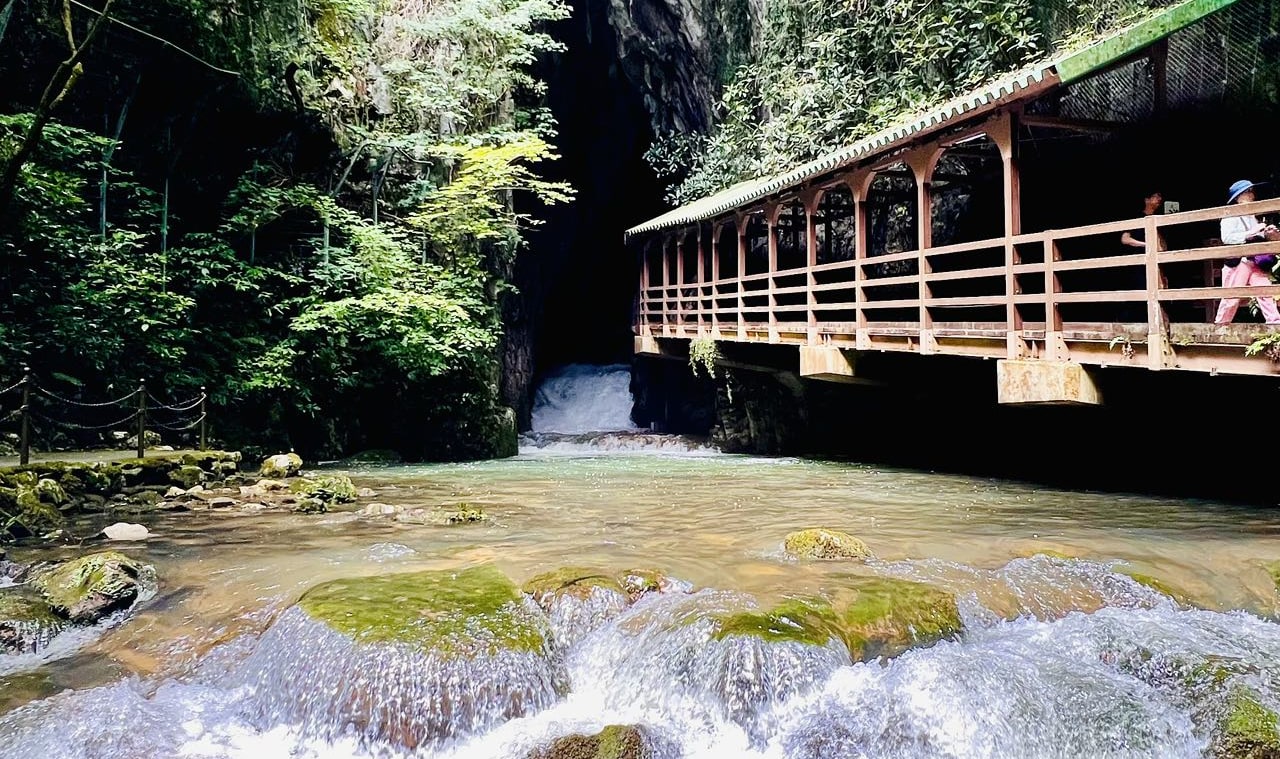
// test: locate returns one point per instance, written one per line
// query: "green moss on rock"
(327, 488)
(821, 543)
(87, 589)
(1155, 583)
(613, 742)
(468, 612)
(578, 582)
(187, 475)
(881, 616)
(871, 616)
(281, 465)
(25, 622)
(1248, 730)
(812, 621)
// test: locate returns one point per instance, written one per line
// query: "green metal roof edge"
(1081, 63)
(753, 189)
(1068, 68)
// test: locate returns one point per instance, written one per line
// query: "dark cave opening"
(586, 276)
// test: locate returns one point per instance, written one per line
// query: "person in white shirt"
(1246, 271)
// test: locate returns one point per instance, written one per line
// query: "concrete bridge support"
(1045, 383)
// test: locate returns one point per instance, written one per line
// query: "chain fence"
(134, 419)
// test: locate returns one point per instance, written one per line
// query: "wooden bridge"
(865, 250)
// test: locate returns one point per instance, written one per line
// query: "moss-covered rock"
(281, 465)
(468, 612)
(1248, 729)
(26, 623)
(22, 510)
(187, 475)
(1154, 583)
(871, 616)
(821, 543)
(613, 742)
(578, 582)
(638, 582)
(50, 492)
(87, 589)
(441, 517)
(328, 488)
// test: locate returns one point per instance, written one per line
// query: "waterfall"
(584, 398)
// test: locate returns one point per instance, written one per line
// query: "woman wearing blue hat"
(1246, 271)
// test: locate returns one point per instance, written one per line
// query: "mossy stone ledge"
(469, 612)
(823, 543)
(870, 616)
(574, 582)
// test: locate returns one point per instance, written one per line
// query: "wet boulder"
(281, 465)
(329, 489)
(821, 543)
(1248, 729)
(463, 650)
(577, 599)
(869, 616)
(613, 742)
(87, 589)
(27, 623)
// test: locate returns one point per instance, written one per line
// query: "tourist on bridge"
(1152, 204)
(1246, 271)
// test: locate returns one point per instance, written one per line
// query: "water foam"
(1109, 669)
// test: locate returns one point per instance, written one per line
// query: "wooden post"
(742, 271)
(204, 419)
(142, 418)
(666, 281)
(922, 168)
(863, 338)
(24, 452)
(771, 228)
(1157, 339)
(715, 281)
(1055, 347)
(811, 260)
(1004, 134)
(679, 289)
(645, 283)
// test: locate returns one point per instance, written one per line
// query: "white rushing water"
(584, 398)
(1138, 677)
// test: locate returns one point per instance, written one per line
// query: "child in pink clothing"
(1246, 271)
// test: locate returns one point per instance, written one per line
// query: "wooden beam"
(1072, 125)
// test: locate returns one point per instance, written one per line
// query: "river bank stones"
(822, 543)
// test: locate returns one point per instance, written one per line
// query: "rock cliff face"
(632, 69)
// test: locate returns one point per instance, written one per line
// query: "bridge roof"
(1024, 84)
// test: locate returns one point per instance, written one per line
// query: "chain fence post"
(24, 451)
(142, 418)
(204, 419)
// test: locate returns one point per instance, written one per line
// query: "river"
(1062, 653)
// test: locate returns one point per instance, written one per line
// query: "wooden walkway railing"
(1038, 295)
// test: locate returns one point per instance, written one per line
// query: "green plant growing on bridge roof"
(704, 352)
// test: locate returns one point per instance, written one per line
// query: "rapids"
(1066, 651)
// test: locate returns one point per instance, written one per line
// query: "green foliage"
(704, 352)
(832, 71)
(344, 290)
